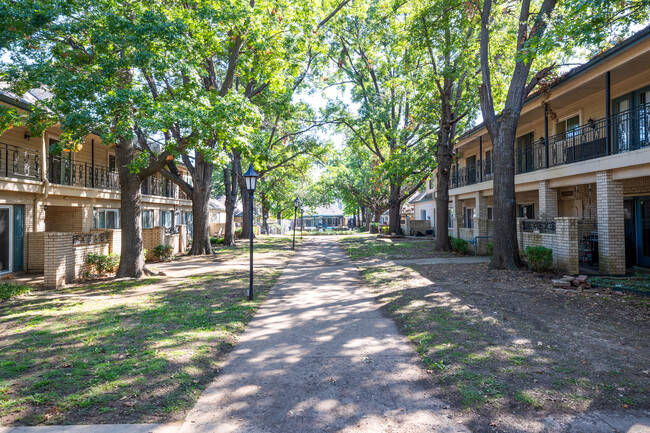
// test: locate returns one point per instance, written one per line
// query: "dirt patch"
(504, 342)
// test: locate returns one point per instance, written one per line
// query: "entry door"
(643, 230)
(19, 233)
(5, 239)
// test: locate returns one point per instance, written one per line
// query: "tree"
(87, 54)
(542, 33)
(447, 34)
(371, 53)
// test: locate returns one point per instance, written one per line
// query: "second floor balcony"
(24, 163)
(628, 130)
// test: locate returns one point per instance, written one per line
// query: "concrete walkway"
(320, 357)
(426, 261)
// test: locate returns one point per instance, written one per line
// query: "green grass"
(10, 290)
(359, 247)
(639, 282)
(125, 351)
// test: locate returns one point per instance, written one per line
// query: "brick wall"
(636, 186)
(64, 219)
(564, 243)
(63, 262)
(611, 231)
(35, 251)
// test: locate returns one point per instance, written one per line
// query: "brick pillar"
(611, 234)
(457, 211)
(39, 214)
(481, 222)
(58, 260)
(565, 246)
(547, 201)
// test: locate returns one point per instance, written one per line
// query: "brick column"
(87, 219)
(457, 210)
(481, 222)
(547, 201)
(611, 234)
(565, 245)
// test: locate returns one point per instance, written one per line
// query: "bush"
(216, 241)
(163, 252)
(458, 245)
(103, 263)
(9, 290)
(374, 227)
(385, 230)
(490, 248)
(540, 259)
(238, 232)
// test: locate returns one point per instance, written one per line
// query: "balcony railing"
(62, 171)
(630, 130)
(162, 188)
(20, 162)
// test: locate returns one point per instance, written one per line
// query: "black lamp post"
(302, 220)
(296, 203)
(251, 181)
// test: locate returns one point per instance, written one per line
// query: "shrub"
(103, 263)
(216, 241)
(490, 248)
(540, 259)
(458, 245)
(163, 252)
(239, 232)
(9, 290)
(385, 230)
(374, 227)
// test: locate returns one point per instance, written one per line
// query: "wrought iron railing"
(163, 188)
(62, 170)
(18, 161)
(538, 226)
(630, 130)
(90, 238)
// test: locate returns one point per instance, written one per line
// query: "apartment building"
(582, 160)
(54, 208)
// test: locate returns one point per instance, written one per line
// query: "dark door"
(643, 231)
(19, 233)
(471, 170)
(629, 212)
(5, 239)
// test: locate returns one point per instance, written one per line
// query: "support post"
(250, 289)
(480, 156)
(608, 114)
(546, 134)
(295, 212)
(92, 163)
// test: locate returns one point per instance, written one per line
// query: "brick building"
(53, 206)
(582, 161)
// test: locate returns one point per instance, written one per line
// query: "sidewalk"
(319, 357)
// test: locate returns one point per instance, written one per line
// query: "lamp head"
(251, 178)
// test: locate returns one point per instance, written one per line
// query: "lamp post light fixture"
(296, 204)
(302, 220)
(251, 182)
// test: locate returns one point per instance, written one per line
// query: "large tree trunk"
(506, 249)
(131, 258)
(201, 218)
(201, 194)
(231, 189)
(394, 210)
(444, 156)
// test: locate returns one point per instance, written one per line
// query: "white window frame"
(98, 211)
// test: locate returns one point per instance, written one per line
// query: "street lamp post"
(296, 203)
(302, 220)
(251, 180)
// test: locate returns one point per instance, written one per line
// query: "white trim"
(11, 239)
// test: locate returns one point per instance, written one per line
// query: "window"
(423, 214)
(450, 219)
(471, 169)
(431, 182)
(524, 153)
(488, 163)
(527, 211)
(111, 163)
(568, 126)
(490, 213)
(165, 218)
(107, 218)
(214, 218)
(147, 219)
(469, 218)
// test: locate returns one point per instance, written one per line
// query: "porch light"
(251, 179)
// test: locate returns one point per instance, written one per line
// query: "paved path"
(319, 357)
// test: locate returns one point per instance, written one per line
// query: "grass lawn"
(369, 246)
(264, 246)
(123, 351)
(501, 344)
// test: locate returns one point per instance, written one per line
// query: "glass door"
(5, 239)
(643, 230)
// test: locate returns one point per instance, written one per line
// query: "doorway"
(6, 244)
(643, 230)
